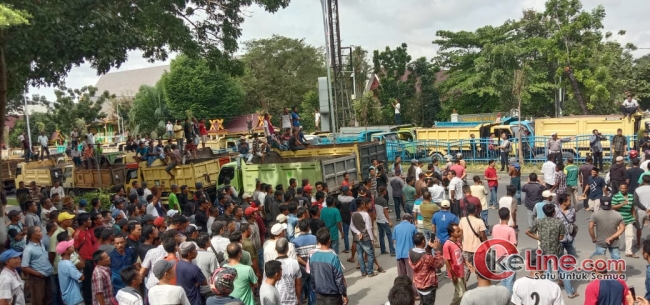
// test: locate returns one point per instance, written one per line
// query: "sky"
(376, 24)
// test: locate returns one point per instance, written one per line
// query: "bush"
(104, 196)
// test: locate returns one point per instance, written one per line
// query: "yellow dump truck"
(442, 140)
(44, 173)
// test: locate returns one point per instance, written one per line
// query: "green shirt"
(641, 177)
(173, 203)
(409, 195)
(626, 210)
(331, 217)
(242, 285)
(571, 171)
(245, 257)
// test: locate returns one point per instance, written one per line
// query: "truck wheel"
(437, 156)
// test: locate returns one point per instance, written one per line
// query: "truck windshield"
(226, 172)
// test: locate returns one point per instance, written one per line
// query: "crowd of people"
(282, 245)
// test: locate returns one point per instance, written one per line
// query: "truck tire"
(437, 156)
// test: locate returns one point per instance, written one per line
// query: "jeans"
(429, 298)
(504, 160)
(384, 229)
(516, 181)
(44, 150)
(398, 119)
(613, 252)
(494, 202)
(346, 233)
(307, 291)
(484, 216)
(408, 208)
(366, 247)
(598, 160)
(570, 248)
(335, 245)
(260, 258)
(248, 157)
(566, 281)
(509, 282)
(398, 208)
(56, 290)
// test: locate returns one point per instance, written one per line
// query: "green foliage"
(208, 92)
(307, 109)
(35, 118)
(148, 112)
(74, 104)
(367, 110)
(104, 196)
(10, 17)
(279, 72)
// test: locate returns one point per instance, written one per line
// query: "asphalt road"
(375, 290)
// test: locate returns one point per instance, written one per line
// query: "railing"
(482, 150)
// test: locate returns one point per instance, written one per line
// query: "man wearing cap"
(538, 211)
(619, 144)
(277, 231)
(11, 285)
(165, 292)
(441, 220)
(617, 174)
(69, 277)
(554, 147)
(188, 275)
(36, 264)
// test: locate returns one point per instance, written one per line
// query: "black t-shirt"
(346, 215)
(132, 243)
(187, 128)
(293, 143)
(143, 249)
(633, 175)
(382, 180)
(315, 225)
(201, 219)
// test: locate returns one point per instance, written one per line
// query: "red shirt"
(471, 200)
(606, 292)
(85, 243)
(459, 169)
(345, 183)
(202, 130)
(492, 173)
(454, 254)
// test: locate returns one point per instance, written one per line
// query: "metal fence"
(481, 150)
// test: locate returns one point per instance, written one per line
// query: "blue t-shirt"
(118, 263)
(142, 151)
(403, 237)
(189, 276)
(441, 220)
(69, 283)
(331, 217)
(417, 203)
(539, 208)
(295, 119)
(596, 185)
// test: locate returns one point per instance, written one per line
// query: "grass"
(12, 201)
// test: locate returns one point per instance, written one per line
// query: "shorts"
(204, 138)
(259, 154)
(641, 217)
(170, 166)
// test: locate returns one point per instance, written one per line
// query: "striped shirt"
(129, 296)
(560, 182)
(626, 210)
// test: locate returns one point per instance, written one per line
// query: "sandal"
(363, 274)
(574, 295)
(350, 260)
(632, 255)
(346, 251)
(374, 273)
(381, 270)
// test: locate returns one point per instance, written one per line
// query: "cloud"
(375, 24)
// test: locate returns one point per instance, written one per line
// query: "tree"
(74, 104)
(361, 68)
(208, 92)
(16, 104)
(397, 82)
(149, 111)
(280, 71)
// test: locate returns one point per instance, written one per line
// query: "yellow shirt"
(178, 131)
(480, 192)
(470, 240)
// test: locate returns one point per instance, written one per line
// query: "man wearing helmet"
(222, 283)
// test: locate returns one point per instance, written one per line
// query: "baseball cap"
(278, 228)
(65, 216)
(245, 196)
(547, 194)
(619, 158)
(281, 218)
(64, 245)
(83, 202)
(445, 204)
(116, 213)
(554, 134)
(345, 189)
(161, 267)
(414, 161)
(14, 213)
(222, 281)
(171, 213)
(307, 188)
(250, 210)
(158, 221)
(606, 203)
(9, 254)
(186, 247)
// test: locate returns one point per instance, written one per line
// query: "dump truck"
(8, 173)
(44, 173)
(114, 177)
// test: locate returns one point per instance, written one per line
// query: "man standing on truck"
(597, 147)
(396, 106)
(554, 147)
(504, 148)
(619, 145)
(629, 106)
(295, 118)
(286, 119)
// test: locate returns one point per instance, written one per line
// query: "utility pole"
(29, 132)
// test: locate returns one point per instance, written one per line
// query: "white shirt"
(170, 127)
(317, 117)
(507, 202)
(286, 121)
(219, 243)
(418, 171)
(644, 165)
(548, 169)
(261, 197)
(128, 296)
(57, 190)
(11, 286)
(43, 140)
(397, 106)
(437, 193)
(270, 253)
(45, 212)
(149, 260)
(287, 285)
(147, 192)
(632, 103)
(151, 210)
(90, 139)
(456, 184)
(167, 294)
(267, 130)
(21, 138)
(528, 291)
